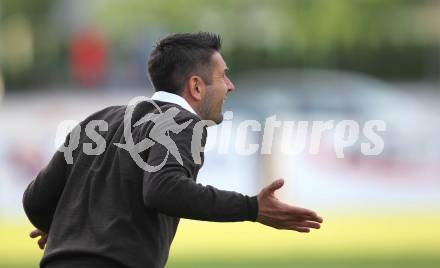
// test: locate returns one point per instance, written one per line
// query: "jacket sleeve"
(172, 190)
(40, 198)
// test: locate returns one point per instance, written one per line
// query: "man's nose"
(229, 84)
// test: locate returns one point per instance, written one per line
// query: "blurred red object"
(88, 55)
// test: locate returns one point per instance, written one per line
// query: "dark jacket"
(106, 209)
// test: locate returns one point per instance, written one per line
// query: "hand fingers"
(294, 227)
(42, 241)
(274, 186)
(35, 233)
(302, 213)
(309, 224)
(300, 218)
(315, 218)
(300, 225)
(301, 229)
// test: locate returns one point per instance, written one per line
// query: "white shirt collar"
(172, 98)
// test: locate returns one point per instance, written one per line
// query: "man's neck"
(173, 98)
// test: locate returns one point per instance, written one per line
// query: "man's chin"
(214, 121)
(219, 119)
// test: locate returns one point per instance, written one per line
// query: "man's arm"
(41, 196)
(173, 191)
(179, 196)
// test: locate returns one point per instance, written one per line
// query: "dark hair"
(178, 56)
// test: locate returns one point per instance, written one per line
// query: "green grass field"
(401, 262)
(392, 241)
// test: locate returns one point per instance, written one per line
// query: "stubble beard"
(209, 111)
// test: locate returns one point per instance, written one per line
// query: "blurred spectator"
(88, 57)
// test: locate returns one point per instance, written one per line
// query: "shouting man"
(108, 210)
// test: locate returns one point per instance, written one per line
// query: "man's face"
(217, 91)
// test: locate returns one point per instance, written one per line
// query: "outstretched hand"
(43, 240)
(272, 212)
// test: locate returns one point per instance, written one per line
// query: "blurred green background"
(63, 59)
(394, 39)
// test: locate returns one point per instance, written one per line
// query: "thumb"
(35, 233)
(275, 186)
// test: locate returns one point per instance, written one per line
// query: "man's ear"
(196, 87)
